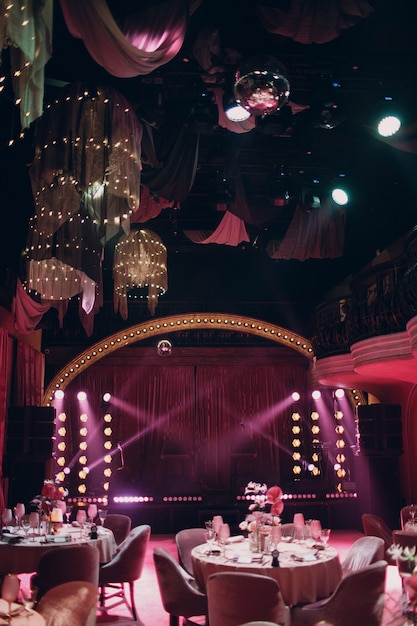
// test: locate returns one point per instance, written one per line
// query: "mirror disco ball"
(261, 87)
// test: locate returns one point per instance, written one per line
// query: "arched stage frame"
(174, 323)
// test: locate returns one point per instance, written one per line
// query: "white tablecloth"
(315, 576)
(23, 557)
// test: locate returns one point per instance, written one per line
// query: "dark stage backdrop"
(191, 427)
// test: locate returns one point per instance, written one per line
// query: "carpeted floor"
(151, 612)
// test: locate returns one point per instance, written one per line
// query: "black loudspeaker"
(30, 432)
(380, 429)
(24, 480)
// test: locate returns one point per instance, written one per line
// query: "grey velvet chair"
(119, 524)
(358, 599)
(363, 551)
(70, 604)
(237, 596)
(125, 568)
(64, 564)
(375, 526)
(186, 540)
(179, 592)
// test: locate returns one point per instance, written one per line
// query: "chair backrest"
(179, 593)
(119, 524)
(375, 526)
(358, 599)
(237, 596)
(186, 540)
(67, 563)
(363, 552)
(405, 515)
(73, 603)
(127, 565)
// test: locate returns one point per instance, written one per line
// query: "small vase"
(255, 541)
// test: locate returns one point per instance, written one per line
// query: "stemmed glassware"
(299, 526)
(81, 519)
(92, 512)
(19, 511)
(28, 598)
(6, 517)
(223, 534)
(315, 527)
(412, 512)
(68, 511)
(25, 525)
(210, 536)
(325, 535)
(9, 591)
(102, 514)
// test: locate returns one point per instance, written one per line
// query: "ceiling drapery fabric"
(315, 21)
(138, 45)
(315, 234)
(85, 180)
(140, 261)
(26, 29)
(231, 231)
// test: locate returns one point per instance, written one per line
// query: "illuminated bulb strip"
(157, 327)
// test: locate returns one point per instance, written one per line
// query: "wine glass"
(28, 597)
(325, 535)
(34, 522)
(412, 512)
(275, 536)
(6, 517)
(81, 519)
(10, 590)
(102, 514)
(68, 511)
(91, 512)
(25, 525)
(315, 527)
(19, 511)
(224, 533)
(210, 536)
(299, 526)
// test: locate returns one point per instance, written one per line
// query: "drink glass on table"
(210, 536)
(299, 524)
(223, 534)
(325, 535)
(102, 514)
(19, 511)
(315, 527)
(91, 512)
(68, 511)
(10, 590)
(6, 517)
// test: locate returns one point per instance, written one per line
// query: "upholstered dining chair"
(237, 596)
(64, 564)
(125, 568)
(179, 592)
(375, 526)
(70, 604)
(358, 599)
(363, 551)
(186, 540)
(262, 623)
(119, 524)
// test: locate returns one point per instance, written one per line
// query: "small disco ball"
(164, 347)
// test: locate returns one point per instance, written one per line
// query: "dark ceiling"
(374, 58)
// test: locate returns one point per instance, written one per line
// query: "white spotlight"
(316, 395)
(106, 397)
(81, 396)
(295, 396)
(59, 394)
(339, 393)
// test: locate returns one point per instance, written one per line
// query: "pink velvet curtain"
(30, 370)
(5, 367)
(186, 427)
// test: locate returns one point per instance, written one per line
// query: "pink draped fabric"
(5, 364)
(318, 234)
(149, 39)
(231, 231)
(28, 313)
(150, 207)
(315, 21)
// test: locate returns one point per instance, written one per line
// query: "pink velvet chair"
(186, 540)
(119, 524)
(375, 526)
(70, 604)
(363, 552)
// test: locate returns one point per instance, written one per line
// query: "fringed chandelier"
(140, 261)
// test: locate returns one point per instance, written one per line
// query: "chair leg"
(174, 620)
(132, 600)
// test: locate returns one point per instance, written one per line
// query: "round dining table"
(20, 615)
(20, 554)
(304, 573)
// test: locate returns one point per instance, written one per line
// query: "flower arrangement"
(265, 508)
(405, 556)
(51, 492)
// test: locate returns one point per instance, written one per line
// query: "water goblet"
(275, 536)
(81, 519)
(19, 511)
(210, 536)
(25, 525)
(34, 523)
(325, 535)
(224, 533)
(91, 512)
(315, 527)
(299, 526)
(102, 514)
(6, 517)
(68, 511)
(10, 590)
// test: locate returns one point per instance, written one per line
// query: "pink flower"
(273, 497)
(48, 491)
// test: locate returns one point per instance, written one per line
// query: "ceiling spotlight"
(316, 395)
(261, 86)
(106, 397)
(339, 196)
(81, 396)
(164, 347)
(339, 393)
(236, 113)
(59, 394)
(295, 396)
(388, 122)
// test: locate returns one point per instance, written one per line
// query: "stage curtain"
(30, 367)
(191, 428)
(5, 367)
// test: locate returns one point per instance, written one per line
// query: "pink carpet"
(151, 612)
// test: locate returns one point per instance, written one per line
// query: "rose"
(48, 490)
(273, 497)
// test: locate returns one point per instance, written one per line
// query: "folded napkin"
(235, 539)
